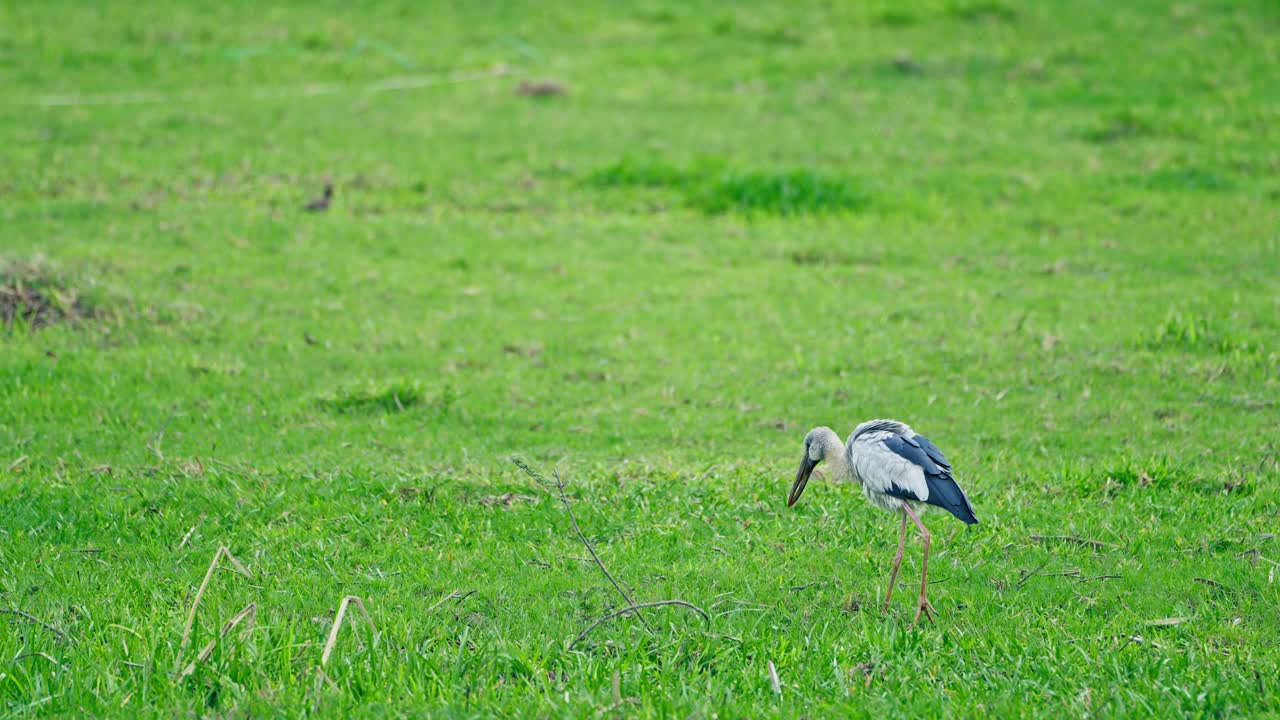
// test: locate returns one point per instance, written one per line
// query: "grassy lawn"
(1044, 234)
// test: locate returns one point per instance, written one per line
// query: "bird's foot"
(924, 609)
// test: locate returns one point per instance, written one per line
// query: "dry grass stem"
(195, 605)
(634, 608)
(37, 621)
(249, 614)
(455, 595)
(337, 625)
(559, 486)
(1072, 540)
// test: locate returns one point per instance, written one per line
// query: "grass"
(715, 190)
(34, 295)
(1046, 239)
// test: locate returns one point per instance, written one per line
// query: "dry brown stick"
(1031, 574)
(250, 612)
(441, 601)
(337, 625)
(634, 608)
(36, 621)
(1098, 544)
(455, 595)
(332, 642)
(191, 617)
(187, 537)
(564, 499)
(43, 656)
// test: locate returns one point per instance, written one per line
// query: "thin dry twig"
(195, 605)
(455, 595)
(44, 656)
(1031, 574)
(187, 537)
(250, 613)
(1072, 540)
(1100, 577)
(321, 677)
(634, 608)
(154, 443)
(337, 625)
(37, 621)
(573, 519)
(773, 679)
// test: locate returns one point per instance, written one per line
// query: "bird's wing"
(941, 488)
(882, 470)
(931, 450)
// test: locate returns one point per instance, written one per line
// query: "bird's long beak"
(802, 479)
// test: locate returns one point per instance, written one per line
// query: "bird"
(321, 203)
(899, 471)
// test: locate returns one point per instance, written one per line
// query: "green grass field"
(1044, 234)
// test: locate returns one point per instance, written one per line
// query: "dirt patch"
(541, 89)
(36, 294)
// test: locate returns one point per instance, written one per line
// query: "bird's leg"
(897, 560)
(924, 606)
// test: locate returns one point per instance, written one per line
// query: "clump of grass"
(820, 256)
(982, 12)
(1187, 179)
(1180, 330)
(1191, 332)
(36, 294)
(1126, 125)
(799, 192)
(895, 18)
(1136, 476)
(629, 172)
(375, 399)
(715, 190)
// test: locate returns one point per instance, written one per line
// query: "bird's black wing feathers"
(943, 489)
(931, 450)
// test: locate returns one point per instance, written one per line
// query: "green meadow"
(647, 246)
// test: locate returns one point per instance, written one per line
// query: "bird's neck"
(838, 461)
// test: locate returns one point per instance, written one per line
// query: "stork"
(899, 471)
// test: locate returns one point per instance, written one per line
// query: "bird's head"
(819, 442)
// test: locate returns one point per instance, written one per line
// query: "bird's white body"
(865, 461)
